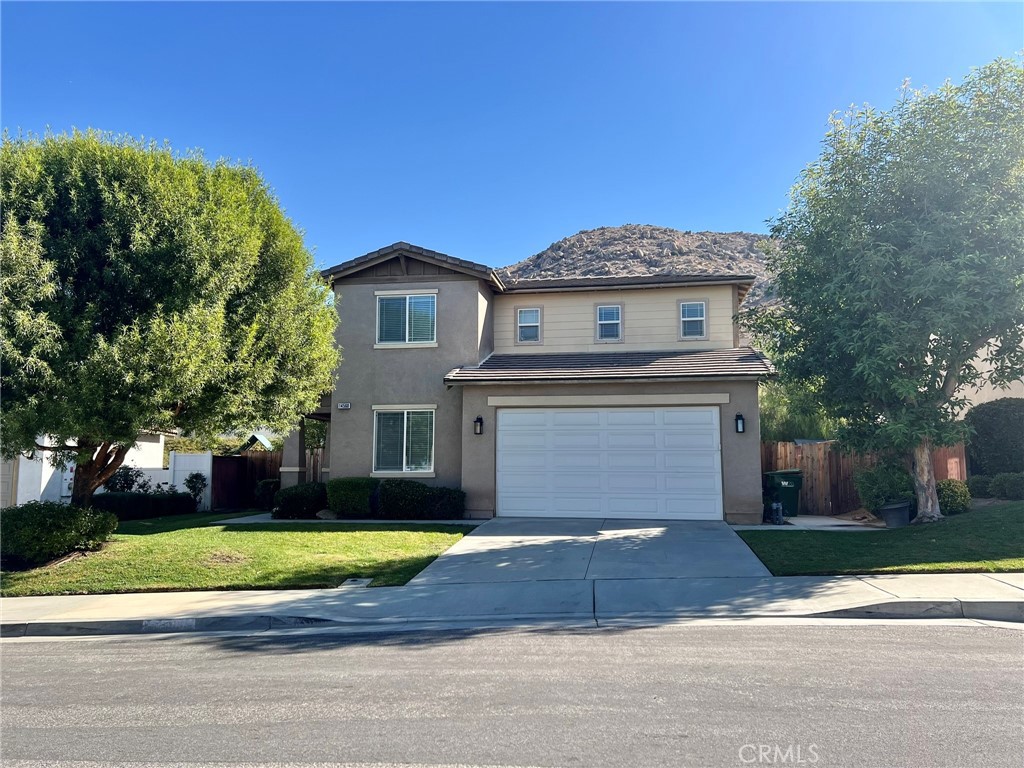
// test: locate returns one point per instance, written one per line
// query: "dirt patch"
(225, 558)
(862, 516)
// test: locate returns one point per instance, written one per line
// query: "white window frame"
(598, 322)
(405, 411)
(704, 318)
(539, 324)
(378, 295)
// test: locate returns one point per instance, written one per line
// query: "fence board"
(828, 473)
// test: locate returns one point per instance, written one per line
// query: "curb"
(983, 610)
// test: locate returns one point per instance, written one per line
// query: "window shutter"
(391, 319)
(419, 441)
(389, 441)
(421, 318)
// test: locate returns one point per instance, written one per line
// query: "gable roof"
(739, 363)
(367, 260)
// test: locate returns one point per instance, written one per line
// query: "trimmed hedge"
(1008, 485)
(300, 502)
(142, 506)
(353, 496)
(954, 497)
(997, 445)
(979, 486)
(37, 532)
(265, 492)
(410, 500)
(881, 484)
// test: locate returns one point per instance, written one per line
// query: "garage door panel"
(610, 462)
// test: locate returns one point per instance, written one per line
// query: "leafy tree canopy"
(149, 290)
(899, 265)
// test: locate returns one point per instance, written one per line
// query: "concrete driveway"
(508, 549)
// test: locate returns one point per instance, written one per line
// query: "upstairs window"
(528, 325)
(692, 319)
(609, 322)
(406, 319)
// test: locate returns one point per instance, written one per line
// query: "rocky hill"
(639, 249)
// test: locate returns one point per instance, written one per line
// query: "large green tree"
(899, 265)
(149, 290)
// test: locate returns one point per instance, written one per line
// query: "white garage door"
(610, 462)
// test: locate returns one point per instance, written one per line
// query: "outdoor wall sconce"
(478, 425)
(741, 424)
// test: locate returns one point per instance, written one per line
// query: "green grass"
(185, 552)
(989, 540)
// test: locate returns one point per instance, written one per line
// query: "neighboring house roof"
(742, 362)
(397, 249)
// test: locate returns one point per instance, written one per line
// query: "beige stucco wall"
(650, 320)
(403, 376)
(741, 454)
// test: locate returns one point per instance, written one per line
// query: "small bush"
(124, 479)
(1008, 485)
(410, 500)
(883, 484)
(39, 531)
(300, 502)
(997, 444)
(265, 492)
(196, 484)
(142, 506)
(954, 497)
(979, 486)
(353, 496)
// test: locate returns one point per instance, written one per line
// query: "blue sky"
(488, 131)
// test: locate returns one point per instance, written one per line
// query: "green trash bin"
(784, 485)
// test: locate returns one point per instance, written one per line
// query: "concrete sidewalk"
(574, 602)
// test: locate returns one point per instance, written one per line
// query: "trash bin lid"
(786, 472)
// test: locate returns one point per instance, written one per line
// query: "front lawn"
(985, 540)
(186, 552)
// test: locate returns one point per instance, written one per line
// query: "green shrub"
(882, 484)
(997, 445)
(979, 486)
(353, 496)
(1008, 485)
(141, 506)
(265, 492)
(300, 502)
(954, 497)
(124, 479)
(409, 500)
(39, 531)
(196, 483)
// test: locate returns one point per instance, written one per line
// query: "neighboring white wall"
(650, 320)
(148, 453)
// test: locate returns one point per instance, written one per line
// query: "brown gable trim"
(403, 249)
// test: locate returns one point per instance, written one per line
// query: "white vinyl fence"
(184, 464)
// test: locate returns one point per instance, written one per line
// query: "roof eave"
(456, 382)
(742, 281)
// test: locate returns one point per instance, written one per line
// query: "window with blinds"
(692, 320)
(403, 441)
(609, 322)
(406, 319)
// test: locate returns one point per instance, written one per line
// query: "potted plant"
(887, 492)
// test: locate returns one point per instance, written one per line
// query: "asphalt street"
(735, 694)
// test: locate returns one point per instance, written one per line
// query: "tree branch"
(952, 379)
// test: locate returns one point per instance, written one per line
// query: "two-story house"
(618, 397)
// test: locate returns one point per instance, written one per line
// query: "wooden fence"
(828, 473)
(235, 477)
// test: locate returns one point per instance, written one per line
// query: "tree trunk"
(924, 484)
(95, 466)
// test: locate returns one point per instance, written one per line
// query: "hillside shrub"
(142, 506)
(40, 531)
(264, 493)
(979, 486)
(954, 497)
(1008, 485)
(882, 484)
(300, 502)
(997, 445)
(353, 497)
(410, 500)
